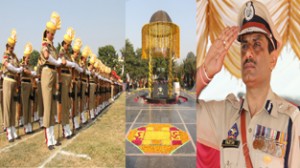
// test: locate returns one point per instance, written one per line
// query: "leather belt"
(65, 71)
(26, 80)
(50, 66)
(10, 76)
(84, 80)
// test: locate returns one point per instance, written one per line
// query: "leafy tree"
(58, 47)
(34, 56)
(108, 55)
(189, 69)
(134, 65)
(129, 59)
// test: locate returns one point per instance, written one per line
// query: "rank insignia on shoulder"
(269, 106)
(231, 141)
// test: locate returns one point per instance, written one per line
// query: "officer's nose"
(249, 53)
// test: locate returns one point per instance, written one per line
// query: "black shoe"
(21, 125)
(31, 132)
(51, 147)
(78, 128)
(58, 144)
(11, 140)
(4, 129)
(70, 136)
(85, 123)
(18, 137)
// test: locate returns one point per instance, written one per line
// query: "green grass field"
(99, 144)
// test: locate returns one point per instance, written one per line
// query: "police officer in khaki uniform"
(26, 88)
(66, 80)
(84, 81)
(261, 130)
(10, 70)
(92, 86)
(49, 62)
(77, 70)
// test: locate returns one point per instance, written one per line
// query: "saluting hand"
(219, 48)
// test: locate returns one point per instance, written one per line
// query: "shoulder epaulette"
(233, 100)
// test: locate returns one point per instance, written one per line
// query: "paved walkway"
(183, 116)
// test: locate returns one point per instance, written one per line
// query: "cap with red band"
(255, 18)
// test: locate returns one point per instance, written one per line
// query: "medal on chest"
(269, 141)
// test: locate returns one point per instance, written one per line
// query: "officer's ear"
(273, 58)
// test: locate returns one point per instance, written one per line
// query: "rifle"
(73, 97)
(59, 106)
(18, 99)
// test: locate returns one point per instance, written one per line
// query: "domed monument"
(160, 39)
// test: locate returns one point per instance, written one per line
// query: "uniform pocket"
(231, 157)
(265, 160)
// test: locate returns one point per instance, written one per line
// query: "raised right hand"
(215, 56)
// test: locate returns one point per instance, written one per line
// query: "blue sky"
(96, 22)
(182, 13)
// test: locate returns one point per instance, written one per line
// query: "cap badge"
(249, 11)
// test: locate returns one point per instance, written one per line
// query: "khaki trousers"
(25, 94)
(1, 105)
(66, 100)
(83, 99)
(9, 105)
(92, 96)
(40, 106)
(48, 83)
(74, 100)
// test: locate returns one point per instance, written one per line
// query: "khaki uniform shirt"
(47, 46)
(12, 59)
(77, 62)
(271, 124)
(63, 54)
(24, 75)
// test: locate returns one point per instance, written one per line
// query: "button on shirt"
(277, 122)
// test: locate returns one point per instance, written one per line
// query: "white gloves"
(70, 64)
(13, 68)
(53, 61)
(78, 68)
(87, 72)
(33, 73)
